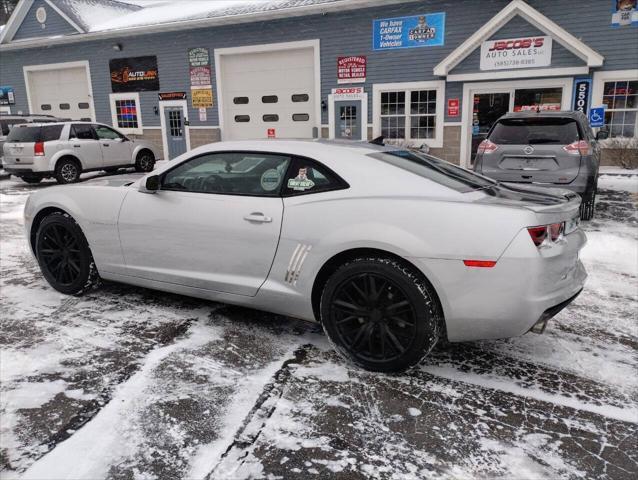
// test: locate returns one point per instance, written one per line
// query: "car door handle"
(105, 144)
(258, 217)
(76, 146)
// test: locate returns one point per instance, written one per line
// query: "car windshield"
(439, 171)
(535, 131)
(29, 134)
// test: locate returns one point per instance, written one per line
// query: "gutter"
(324, 9)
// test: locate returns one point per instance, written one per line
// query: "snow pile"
(89, 13)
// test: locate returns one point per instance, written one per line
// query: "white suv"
(66, 149)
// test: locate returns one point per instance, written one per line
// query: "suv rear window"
(5, 125)
(432, 168)
(535, 131)
(29, 134)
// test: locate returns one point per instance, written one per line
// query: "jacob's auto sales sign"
(521, 52)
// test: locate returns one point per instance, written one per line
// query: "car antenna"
(377, 141)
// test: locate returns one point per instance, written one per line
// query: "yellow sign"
(202, 97)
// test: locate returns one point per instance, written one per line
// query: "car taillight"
(479, 263)
(546, 234)
(486, 147)
(38, 149)
(578, 148)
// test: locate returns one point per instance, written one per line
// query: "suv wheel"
(67, 171)
(145, 162)
(379, 314)
(64, 255)
(588, 204)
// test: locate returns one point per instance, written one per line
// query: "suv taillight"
(578, 148)
(486, 147)
(38, 149)
(545, 235)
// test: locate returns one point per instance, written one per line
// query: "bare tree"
(6, 8)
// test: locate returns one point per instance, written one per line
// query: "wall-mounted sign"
(347, 93)
(200, 76)
(41, 15)
(409, 32)
(271, 133)
(452, 107)
(137, 74)
(521, 52)
(172, 96)
(538, 107)
(351, 69)
(198, 57)
(582, 88)
(202, 114)
(597, 117)
(625, 12)
(202, 97)
(7, 96)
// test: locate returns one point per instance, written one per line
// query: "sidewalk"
(617, 171)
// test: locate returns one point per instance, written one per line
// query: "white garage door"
(61, 92)
(269, 92)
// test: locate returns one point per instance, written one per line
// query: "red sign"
(351, 69)
(271, 133)
(452, 107)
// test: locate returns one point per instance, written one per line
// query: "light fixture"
(117, 47)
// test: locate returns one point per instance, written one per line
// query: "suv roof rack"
(27, 115)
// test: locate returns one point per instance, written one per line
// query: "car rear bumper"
(508, 299)
(19, 170)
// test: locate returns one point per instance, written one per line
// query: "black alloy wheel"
(64, 255)
(380, 314)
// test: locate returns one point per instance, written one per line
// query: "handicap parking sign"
(597, 117)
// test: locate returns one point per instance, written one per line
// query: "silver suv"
(553, 149)
(8, 120)
(64, 150)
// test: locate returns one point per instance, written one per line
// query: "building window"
(125, 112)
(300, 117)
(242, 118)
(269, 99)
(300, 97)
(621, 101)
(270, 118)
(240, 100)
(410, 112)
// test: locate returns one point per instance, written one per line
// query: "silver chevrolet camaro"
(390, 249)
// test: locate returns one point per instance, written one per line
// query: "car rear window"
(535, 131)
(432, 168)
(28, 134)
(5, 125)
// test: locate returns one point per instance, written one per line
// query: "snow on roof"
(104, 15)
(89, 13)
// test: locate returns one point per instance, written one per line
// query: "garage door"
(269, 92)
(61, 92)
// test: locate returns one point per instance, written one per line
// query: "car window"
(432, 168)
(235, 173)
(106, 133)
(27, 134)
(82, 131)
(307, 176)
(5, 125)
(535, 131)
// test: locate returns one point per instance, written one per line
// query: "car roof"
(546, 113)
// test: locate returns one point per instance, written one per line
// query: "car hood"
(114, 180)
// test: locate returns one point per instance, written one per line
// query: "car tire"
(380, 314)
(67, 170)
(588, 204)
(64, 255)
(31, 179)
(145, 162)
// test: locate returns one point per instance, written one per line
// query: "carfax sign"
(409, 32)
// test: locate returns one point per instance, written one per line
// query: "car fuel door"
(213, 225)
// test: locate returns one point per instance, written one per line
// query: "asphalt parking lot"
(128, 383)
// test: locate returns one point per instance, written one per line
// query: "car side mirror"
(151, 184)
(602, 134)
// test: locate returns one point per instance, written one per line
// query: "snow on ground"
(130, 383)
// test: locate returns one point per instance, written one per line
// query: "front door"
(116, 150)
(348, 119)
(175, 131)
(214, 224)
(487, 108)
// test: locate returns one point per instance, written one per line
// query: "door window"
(233, 173)
(82, 132)
(488, 107)
(175, 123)
(347, 121)
(307, 176)
(106, 133)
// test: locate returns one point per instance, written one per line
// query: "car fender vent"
(296, 262)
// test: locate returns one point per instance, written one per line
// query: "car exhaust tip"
(541, 323)
(539, 327)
